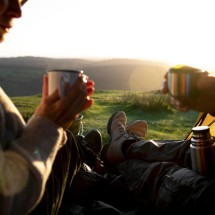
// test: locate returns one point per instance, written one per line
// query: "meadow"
(163, 120)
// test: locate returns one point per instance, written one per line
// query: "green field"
(163, 120)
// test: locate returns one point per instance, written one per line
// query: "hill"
(22, 76)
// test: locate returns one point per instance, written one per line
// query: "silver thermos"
(202, 149)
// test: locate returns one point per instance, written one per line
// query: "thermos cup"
(182, 81)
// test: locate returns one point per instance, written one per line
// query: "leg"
(124, 144)
(65, 167)
(166, 188)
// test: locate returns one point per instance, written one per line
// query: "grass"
(163, 120)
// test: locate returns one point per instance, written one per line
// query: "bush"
(150, 102)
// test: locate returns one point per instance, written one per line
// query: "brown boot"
(116, 128)
(93, 140)
(137, 128)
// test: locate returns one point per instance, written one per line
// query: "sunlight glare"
(173, 31)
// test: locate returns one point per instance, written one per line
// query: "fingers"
(78, 97)
(179, 105)
(90, 83)
(82, 89)
(45, 86)
(90, 91)
(88, 103)
(81, 84)
(90, 88)
(63, 110)
(54, 97)
(75, 108)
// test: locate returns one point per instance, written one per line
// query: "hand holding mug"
(203, 101)
(64, 109)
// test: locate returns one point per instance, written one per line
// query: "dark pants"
(65, 167)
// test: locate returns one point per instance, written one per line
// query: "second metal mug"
(182, 81)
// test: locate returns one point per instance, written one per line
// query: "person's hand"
(63, 110)
(178, 104)
(204, 102)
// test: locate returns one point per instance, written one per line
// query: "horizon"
(211, 71)
(19, 74)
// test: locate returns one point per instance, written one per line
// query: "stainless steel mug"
(77, 127)
(58, 77)
(182, 81)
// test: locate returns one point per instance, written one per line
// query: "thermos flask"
(202, 149)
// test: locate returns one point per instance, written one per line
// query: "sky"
(172, 31)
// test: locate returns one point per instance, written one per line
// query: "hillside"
(22, 76)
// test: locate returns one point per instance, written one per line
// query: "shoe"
(93, 140)
(80, 138)
(116, 128)
(137, 128)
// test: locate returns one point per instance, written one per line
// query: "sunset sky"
(173, 31)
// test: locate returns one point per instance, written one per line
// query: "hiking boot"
(116, 128)
(137, 128)
(80, 138)
(93, 140)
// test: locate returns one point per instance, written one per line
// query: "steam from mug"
(57, 79)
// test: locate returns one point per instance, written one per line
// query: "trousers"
(66, 165)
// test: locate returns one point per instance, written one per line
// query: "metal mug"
(58, 77)
(182, 81)
(77, 127)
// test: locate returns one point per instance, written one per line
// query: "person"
(149, 176)
(203, 102)
(158, 172)
(28, 151)
(95, 189)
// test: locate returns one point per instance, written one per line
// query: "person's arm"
(26, 158)
(26, 155)
(26, 165)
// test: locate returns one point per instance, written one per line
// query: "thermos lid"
(201, 135)
(200, 129)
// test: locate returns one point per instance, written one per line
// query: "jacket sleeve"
(26, 165)
(27, 153)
